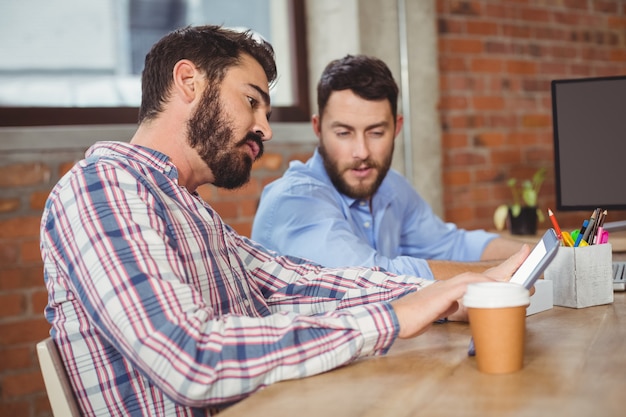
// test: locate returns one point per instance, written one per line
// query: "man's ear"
(186, 76)
(399, 123)
(316, 123)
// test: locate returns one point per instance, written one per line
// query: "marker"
(567, 239)
(557, 229)
(592, 221)
(581, 233)
(602, 236)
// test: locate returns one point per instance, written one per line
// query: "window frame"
(56, 116)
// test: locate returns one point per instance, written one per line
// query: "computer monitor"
(589, 128)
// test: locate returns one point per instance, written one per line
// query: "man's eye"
(342, 133)
(253, 102)
(377, 134)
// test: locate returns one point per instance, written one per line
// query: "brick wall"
(496, 61)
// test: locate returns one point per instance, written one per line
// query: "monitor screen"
(589, 127)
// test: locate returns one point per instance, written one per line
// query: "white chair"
(57, 383)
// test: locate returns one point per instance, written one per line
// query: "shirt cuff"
(379, 327)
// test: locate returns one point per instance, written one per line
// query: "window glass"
(76, 53)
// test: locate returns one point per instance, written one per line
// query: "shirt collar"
(140, 154)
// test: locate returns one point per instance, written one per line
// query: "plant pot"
(525, 223)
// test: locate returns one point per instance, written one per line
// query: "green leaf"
(516, 209)
(540, 216)
(529, 196)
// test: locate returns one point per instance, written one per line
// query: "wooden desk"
(575, 365)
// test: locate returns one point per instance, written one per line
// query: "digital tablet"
(538, 260)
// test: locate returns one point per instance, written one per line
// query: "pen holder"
(582, 276)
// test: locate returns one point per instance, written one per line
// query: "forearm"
(443, 270)
(500, 248)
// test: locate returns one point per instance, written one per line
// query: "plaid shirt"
(160, 309)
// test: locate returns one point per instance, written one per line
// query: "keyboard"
(619, 275)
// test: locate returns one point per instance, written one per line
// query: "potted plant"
(523, 215)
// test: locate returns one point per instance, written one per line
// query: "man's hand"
(418, 310)
(505, 270)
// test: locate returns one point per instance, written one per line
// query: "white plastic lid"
(496, 295)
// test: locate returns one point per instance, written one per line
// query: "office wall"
(494, 59)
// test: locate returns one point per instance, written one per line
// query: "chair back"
(60, 393)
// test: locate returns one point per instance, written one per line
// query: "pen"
(581, 233)
(471, 350)
(591, 226)
(557, 229)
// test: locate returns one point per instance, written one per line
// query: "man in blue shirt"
(345, 206)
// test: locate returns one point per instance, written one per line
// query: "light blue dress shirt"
(302, 214)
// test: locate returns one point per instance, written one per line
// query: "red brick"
(243, 228)
(454, 140)
(462, 46)
(489, 139)
(456, 178)
(535, 15)
(65, 167)
(24, 331)
(300, 156)
(251, 188)
(453, 103)
(247, 208)
(29, 251)
(537, 120)
(226, 209)
(17, 358)
(16, 385)
(9, 204)
(521, 67)
(269, 161)
(21, 277)
(12, 304)
(38, 301)
(20, 227)
(24, 174)
(488, 103)
(15, 408)
(447, 63)
(516, 31)
(482, 28)
(9, 253)
(38, 199)
(488, 65)
(505, 157)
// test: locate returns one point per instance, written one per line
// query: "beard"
(210, 134)
(360, 190)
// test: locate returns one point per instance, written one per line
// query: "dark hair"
(366, 76)
(212, 48)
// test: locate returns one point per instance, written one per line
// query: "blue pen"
(581, 233)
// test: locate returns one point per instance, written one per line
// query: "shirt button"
(246, 302)
(362, 203)
(366, 224)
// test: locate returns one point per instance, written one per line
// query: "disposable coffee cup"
(497, 316)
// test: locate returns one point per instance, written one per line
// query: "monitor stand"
(614, 226)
